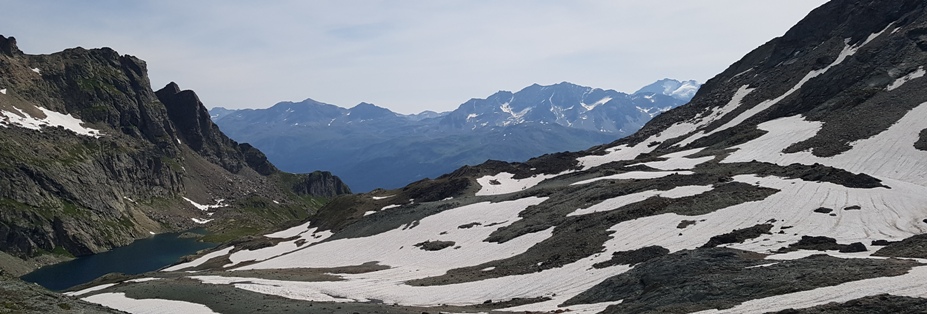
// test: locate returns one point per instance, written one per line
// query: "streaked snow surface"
(120, 302)
(506, 183)
(890, 154)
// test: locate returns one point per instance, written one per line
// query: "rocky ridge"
(93, 158)
(373, 147)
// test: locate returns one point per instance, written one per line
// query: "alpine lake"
(143, 255)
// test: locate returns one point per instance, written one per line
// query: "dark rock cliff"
(72, 194)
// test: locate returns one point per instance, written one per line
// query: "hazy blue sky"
(407, 55)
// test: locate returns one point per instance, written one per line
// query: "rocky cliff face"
(93, 158)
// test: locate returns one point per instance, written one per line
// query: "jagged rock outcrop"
(93, 158)
(319, 183)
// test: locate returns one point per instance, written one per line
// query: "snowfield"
(120, 302)
(503, 183)
(52, 119)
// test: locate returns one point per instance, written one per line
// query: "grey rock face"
(73, 194)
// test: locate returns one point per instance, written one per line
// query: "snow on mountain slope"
(798, 184)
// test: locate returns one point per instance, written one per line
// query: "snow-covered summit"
(682, 90)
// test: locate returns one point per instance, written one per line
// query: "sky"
(406, 55)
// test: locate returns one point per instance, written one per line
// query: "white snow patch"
(37, 70)
(370, 212)
(377, 198)
(890, 154)
(596, 104)
(635, 175)
(715, 114)
(199, 261)
(552, 306)
(291, 232)
(847, 51)
(143, 279)
(677, 160)
(201, 221)
(891, 214)
(309, 237)
(617, 202)
(390, 207)
(506, 183)
(120, 302)
(89, 290)
(625, 152)
(488, 269)
(52, 119)
(408, 262)
(151, 232)
(3, 91)
(761, 265)
(901, 80)
(219, 204)
(910, 285)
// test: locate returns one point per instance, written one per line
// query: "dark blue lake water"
(141, 256)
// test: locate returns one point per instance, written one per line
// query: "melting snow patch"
(503, 183)
(901, 80)
(199, 261)
(910, 285)
(596, 104)
(292, 232)
(201, 221)
(635, 175)
(52, 119)
(36, 70)
(308, 238)
(89, 290)
(889, 154)
(617, 202)
(625, 152)
(120, 302)
(678, 160)
(143, 279)
(219, 204)
(390, 207)
(762, 265)
(377, 198)
(408, 263)
(3, 91)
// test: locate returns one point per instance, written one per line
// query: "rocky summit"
(93, 159)
(795, 181)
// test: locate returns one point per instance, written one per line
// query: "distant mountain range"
(372, 147)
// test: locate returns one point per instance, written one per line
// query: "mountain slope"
(93, 158)
(372, 147)
(793, 182)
